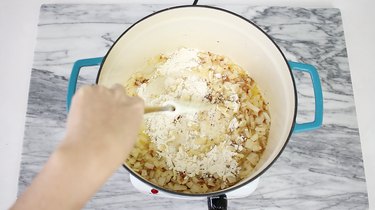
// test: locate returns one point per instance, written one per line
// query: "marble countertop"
(322, 169)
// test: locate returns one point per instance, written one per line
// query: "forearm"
(68, 180)
(101, 129)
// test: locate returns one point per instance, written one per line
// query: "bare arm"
(101, 129)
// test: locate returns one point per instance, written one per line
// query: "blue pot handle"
(318, 119)
(74, 76)
(293, 65)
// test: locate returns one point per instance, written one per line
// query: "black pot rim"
(295, 106)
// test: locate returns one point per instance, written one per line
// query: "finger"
(135, 101)
(83, 89)
(140, 102)
(118, 87)
(119, 91)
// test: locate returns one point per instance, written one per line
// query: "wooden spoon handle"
(150, 109)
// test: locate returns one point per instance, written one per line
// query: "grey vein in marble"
(322, 169)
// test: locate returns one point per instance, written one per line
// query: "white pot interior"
(222, 33)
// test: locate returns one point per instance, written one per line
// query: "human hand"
(101, 129)
(103, 124)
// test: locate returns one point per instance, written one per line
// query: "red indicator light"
(154, 191)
